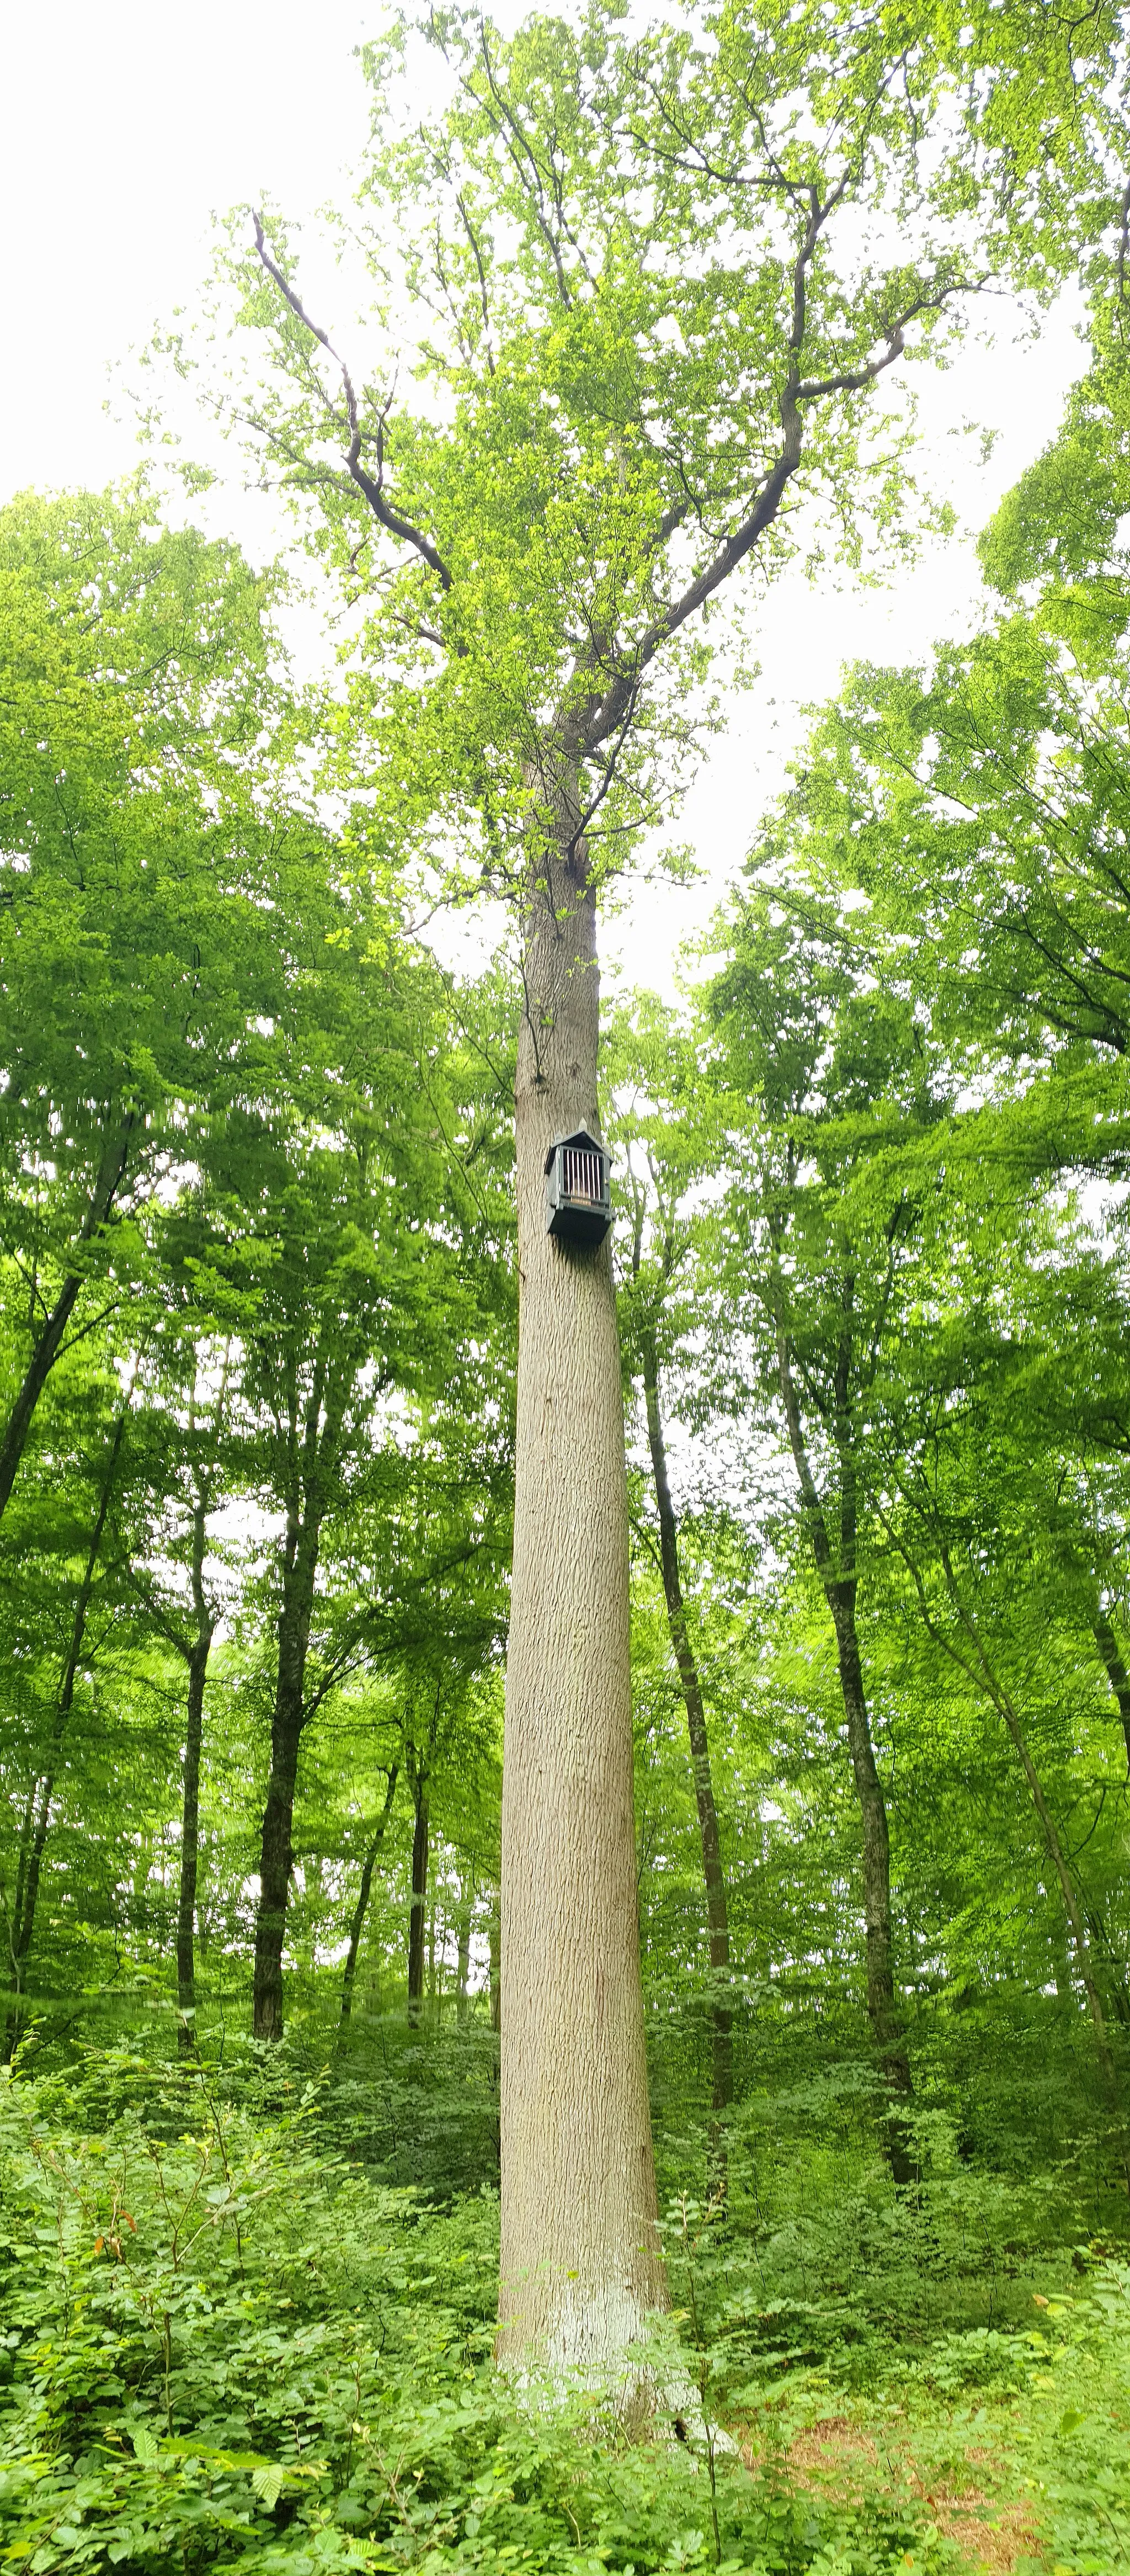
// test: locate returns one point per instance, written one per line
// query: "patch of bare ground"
(838, 2460)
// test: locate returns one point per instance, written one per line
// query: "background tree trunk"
(418, 1902)
(717, 1914)
(37, 1811)
(49, 1340)
(1071, 1901)
(839, 1592)
(1117, 1675)
(276, 1857)
(979, 1669)
(463, 1970)
(882, 2011)
(580, 2262)
(190, 1802)
(357, 1918)
(190, 1845)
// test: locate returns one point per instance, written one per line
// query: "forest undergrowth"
(231, 2342)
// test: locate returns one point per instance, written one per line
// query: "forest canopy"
(565, 1562)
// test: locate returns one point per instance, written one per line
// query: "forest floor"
(228, 2348)
(1029, 2469)
(859, 2467)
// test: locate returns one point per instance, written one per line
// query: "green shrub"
(224, 2345)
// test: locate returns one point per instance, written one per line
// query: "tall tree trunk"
(49, 1340)
(37, 1816)
(418, 1901)
(1117, 1675)
(580, 2263)
(276, 1858)
(839, 1589)
(357, 1918)
(717, 1915)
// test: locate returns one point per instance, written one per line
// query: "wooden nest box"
(578, 1195)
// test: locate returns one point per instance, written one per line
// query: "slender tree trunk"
(197, 1660)
(840, 1593)
(717, 1914)
(37, 1817)
(580, 2264)
(276, 1858)
(15, 1920)
(1073, 1909)
(463, 1967)
(434, 1999)
(190, 1843)
(418, 1902)
(357, 1918)
(196, 1657)
(49, 1340)
(981, 1672)
(1068, 1890)
(1113, 1966)
(1117, 1675)
(881, 2007)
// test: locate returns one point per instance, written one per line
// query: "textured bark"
(717, 1915)
(839, 1584)
(49, 1340)
(1117, 1675)
(357, 1918)
(418, 1902)
(37, 1811)
(580, 2263)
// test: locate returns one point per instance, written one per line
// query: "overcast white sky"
(127, 122)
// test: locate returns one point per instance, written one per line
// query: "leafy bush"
(226, 2346)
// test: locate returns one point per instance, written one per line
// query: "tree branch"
(371, 486)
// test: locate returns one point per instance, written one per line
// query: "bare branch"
(371, 486)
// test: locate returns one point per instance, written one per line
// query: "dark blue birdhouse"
(578, 1195)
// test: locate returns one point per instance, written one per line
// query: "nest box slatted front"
(578, 1195)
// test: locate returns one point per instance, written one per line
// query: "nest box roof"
(577, 1136)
